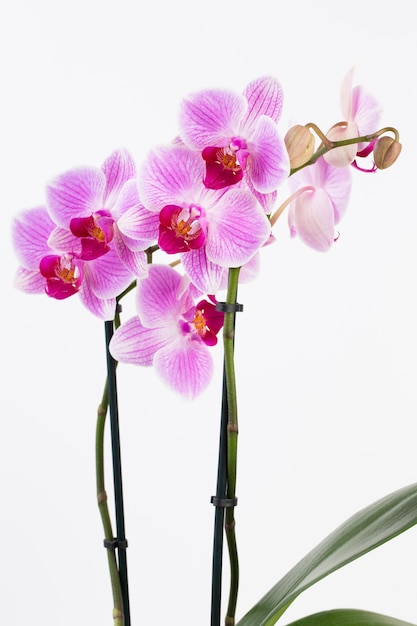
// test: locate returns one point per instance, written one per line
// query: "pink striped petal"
(107, 276)
(139, 228)
(63, 240)
(160, 299)
(29, 281)
(238, 228)
(77, 193)
(265, 97)
(127, 198)
(135, 344)
(171, 175)
(135, 262)
(211, 117)
(117, 168)
(312, 219)
(30, 231)
(269, 163)
(186, 366)
(103, 308)
(208, 277)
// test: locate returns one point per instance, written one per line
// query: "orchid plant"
(188, 223)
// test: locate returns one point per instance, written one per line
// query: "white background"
(326, 345)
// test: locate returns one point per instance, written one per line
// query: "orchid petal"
(30, 232)
(135, 262)
(117, 168)
(337, 184)
(313, 219)
(135, 344)
(344, 155)
(208, 277)
(139, 227)
(107, 276)
(29, 281)
(158, 298)
(63, 240)
(77, 193)
(103, 308)
(127, 198)
(250, 270)
(346, 95)
(185, 365)
(238, 228)
(211, 117)
(171, 175)
(366, 110)
(265, 97)
(269, 163)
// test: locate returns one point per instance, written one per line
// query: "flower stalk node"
(118, 617)
(101, 497)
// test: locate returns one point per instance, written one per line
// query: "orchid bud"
(386, 152)
(299, 142)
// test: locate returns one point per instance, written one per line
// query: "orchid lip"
(222, 166)
(95, 232)
(181, 229)
(62, 274)
(202, 322)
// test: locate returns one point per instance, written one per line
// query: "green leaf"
(349, 617)
(369, 528)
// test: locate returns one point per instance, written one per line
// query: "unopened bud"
(299, 142)
(386, 152)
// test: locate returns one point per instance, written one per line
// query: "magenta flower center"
(203, 322)
(181, 229)
(63, 277)
(224, 166)
(95, 232)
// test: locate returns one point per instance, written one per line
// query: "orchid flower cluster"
(209, 201)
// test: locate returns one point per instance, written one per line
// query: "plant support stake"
(120, 541)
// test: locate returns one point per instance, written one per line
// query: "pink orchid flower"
(59, 272)
(170, 331)
(361, 113)
(238, 134)
(319, 201)
(210, 229)
(101, 208)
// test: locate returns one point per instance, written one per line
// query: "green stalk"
(118, 617)
(232, 438)
(328, 145)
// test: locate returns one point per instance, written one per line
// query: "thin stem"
(328, 145)
(117, 473)
(232, 438)
(221, 492)
(104, 511)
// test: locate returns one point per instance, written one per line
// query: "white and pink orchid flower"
(171, 331)
(237, 134)
(101, 209)
(211, 229)
(361, 114)
(319, 201)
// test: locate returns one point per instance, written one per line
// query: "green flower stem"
(118, 617)
(232, 439)
(328, 145)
